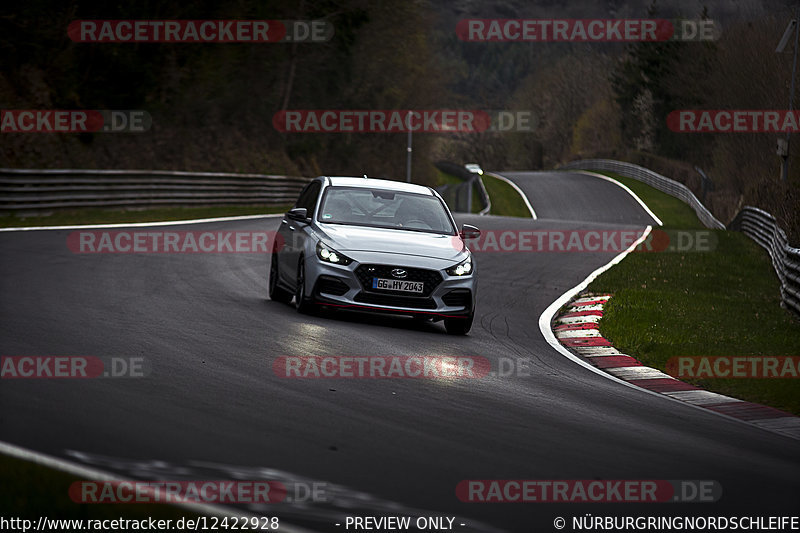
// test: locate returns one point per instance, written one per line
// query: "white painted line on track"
(637, 372)
(586, 300)
(627, 189)
(701, 397)
(516, 188)
(145, 224)
(598, 350)
(546, 318)
(579, 308)
(780, 423)
(577, 333)
(588, 319)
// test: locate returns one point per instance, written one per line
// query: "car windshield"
(381, 208)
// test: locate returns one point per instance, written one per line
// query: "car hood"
(362, 239)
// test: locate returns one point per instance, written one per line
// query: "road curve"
(578, 197)
(213, 407)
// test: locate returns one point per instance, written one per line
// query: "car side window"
(308, 198)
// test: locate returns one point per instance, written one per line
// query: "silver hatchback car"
(375, 245)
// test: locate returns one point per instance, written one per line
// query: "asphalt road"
(212, 408)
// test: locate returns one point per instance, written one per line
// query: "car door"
(295, 233)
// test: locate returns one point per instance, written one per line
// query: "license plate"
(397, 285)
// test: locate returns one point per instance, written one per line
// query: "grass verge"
(725, 302)
(672, 212)
(113, 216)
(506, 201)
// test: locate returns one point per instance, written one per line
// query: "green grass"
(724, 302)
(109, 216)
(29, 490)
(672, 212)
(505, 200)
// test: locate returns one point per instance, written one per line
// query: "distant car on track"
(378, 246)
(474, 168)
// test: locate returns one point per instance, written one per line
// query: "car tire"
(276, 293)
(458, 326)
(302, 303)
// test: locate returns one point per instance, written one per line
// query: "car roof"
(344, 181)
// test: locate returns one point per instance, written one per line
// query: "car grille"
(331, 285)
(394, 300)
(458, 297)
(365, 273)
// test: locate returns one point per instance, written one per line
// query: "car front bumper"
(349, 287)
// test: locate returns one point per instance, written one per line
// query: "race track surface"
(212, 406)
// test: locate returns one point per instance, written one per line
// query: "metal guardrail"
(32, 190)
(460, 199)
(763, 228)
(484, 194)
(753, 222)
(655, 180)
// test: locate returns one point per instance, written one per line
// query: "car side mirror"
(299, 214)
(469, 232)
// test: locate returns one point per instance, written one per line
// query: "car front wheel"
(276, 293)
(458, 326)
(301, 302)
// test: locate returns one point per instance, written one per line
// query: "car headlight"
(329, 255)
(464, 268)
